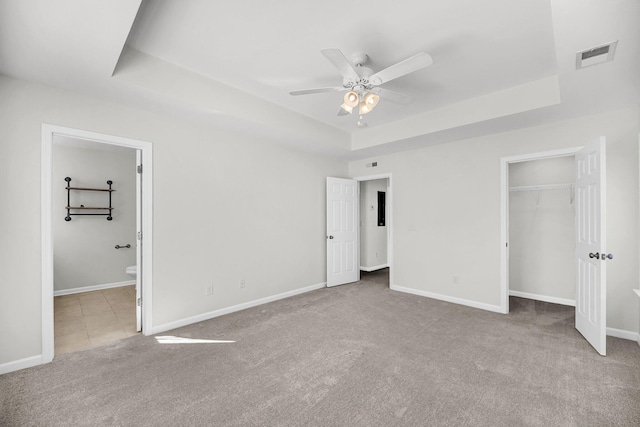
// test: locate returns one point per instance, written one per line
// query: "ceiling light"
(364, 108)
(346, 108)
(371, 99)
(351, 99)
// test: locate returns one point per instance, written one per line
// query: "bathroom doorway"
(93, 257)
(94, 246)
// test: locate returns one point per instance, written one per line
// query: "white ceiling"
(269, 49)
(498, 64)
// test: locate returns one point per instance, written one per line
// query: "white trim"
(92, 288)
(46, 232)
(16, 365)
(637, 291)
(221, 312)
(504, 212)
(372, 177)
(48, 133)
(563, 152)
(447, 298)
(621, 333)
(545, 298)
(374, 268)
(389, 219)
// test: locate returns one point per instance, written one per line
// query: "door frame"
(504, 212)
(48, 134)
(388, 219)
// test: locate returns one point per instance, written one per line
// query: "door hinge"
(139, 235)
(139, 168)
(139, 302)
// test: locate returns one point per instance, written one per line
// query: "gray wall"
(542, 229)
(373, 238)
(84, 248)
(447, 209)
(212, 223)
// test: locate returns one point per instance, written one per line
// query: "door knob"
(331, 237)
(596, 255)
(609, 256)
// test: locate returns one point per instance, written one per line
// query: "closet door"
(591, 295)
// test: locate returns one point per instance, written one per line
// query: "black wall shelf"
(69, 208)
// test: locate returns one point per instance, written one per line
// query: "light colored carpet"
(354, 355)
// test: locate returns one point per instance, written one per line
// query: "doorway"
(343, 230)
(94, 246)
(542, 239)
(590, 236)
(142, 211)
(373, 234)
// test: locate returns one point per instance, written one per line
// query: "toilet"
(132, 270)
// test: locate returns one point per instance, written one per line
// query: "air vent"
(596, 55)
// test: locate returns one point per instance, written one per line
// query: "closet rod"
(541, 187)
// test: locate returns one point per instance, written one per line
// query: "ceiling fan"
(363, 85)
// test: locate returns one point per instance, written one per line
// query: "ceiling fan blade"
(409, 65)
(337, 58)
(391, 96)
(318, 90)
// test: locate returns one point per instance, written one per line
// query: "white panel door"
(139, 240)
(590, 197)
(343, 259)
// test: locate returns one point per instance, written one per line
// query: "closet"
(542, 230)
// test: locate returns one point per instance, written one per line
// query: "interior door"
(343, 259)
(590, 196)
(139, 240)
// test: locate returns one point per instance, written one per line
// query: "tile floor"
(94, 318)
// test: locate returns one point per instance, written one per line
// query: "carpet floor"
(353, 355)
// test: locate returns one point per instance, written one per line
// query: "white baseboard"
(221, 312)
(374, 268)
(93, 288)
(16, 365)
(545, 298)
(447, 298)
(621, 333)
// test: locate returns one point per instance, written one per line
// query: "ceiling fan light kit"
(361, 82)
(369, 101)
(350, 101)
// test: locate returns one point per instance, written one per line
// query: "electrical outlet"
(209, 290)
(455, 279)
(242, 283)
